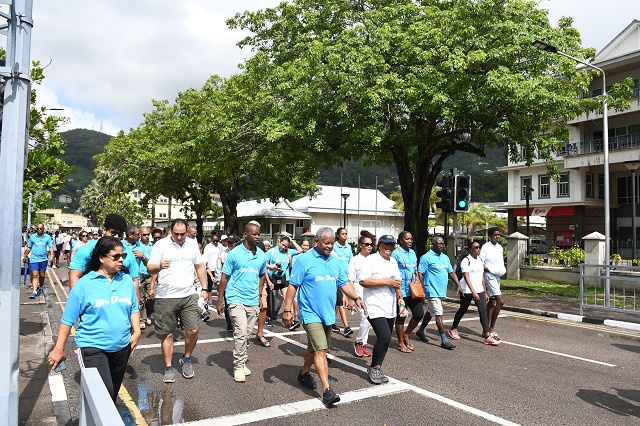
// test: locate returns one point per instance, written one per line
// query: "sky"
(106, 60)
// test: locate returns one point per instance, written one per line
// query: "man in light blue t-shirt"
(39, 251)
(316, 277)
(243, 273)
(435, 269)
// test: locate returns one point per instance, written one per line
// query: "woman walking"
(407, 264)
(104, 300)
(380, 279)
(365, 244)
(473, 288)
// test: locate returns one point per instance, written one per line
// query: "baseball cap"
(223, 237)
(387, 239)
(233, 239)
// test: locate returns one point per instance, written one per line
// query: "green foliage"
(535, 260)
(412, 83)
(571, 258)
(616, 258)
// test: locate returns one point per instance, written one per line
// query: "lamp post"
(344, 211)
(528, 191)
(605, 130)
(633, 166)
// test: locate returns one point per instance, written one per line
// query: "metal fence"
(96, 406)
(620, 291)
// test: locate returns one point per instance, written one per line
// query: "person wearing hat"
(380, 278)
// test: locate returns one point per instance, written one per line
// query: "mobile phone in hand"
(61, 367)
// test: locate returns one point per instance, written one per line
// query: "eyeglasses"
(145, 235)
(475, 247)
(117, 256)
(83, 236)
(367, 244)
(40, 229)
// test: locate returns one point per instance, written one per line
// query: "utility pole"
(13, 154)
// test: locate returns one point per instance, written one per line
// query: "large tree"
(412, 82)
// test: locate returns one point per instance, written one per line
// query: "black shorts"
(339, 299)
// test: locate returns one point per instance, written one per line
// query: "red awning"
(558, 211)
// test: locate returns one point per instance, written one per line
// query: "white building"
(574, 206)
(366, 209)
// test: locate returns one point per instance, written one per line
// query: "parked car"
(537, 245)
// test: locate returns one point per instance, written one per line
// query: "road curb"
(568, 317)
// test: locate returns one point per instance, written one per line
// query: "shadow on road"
(631, 348)
(613, 403)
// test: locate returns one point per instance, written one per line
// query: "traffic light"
(462, 190)
(445, 194)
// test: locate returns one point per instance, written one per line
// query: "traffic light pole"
(13, 152)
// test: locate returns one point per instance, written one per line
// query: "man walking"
(434, 270)
(243, 273)
(173, 259)
(491, 255)
(39, 251)
(317, 276)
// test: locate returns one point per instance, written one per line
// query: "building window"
(299, 223)
(589, 188)
(162, 215)
(544, 183)
(563, 185)
(525, 181)
(163, 200)
(288, 227)
(624, 190)
(601, 187)
(136, 195)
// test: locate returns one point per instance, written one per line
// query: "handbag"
(415, 285)
(274, 303)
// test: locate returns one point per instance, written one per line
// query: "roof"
(329, 199)
(266, 209)
(626, 42)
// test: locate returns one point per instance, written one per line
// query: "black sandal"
(264, 343)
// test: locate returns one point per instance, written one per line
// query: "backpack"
(459, 269)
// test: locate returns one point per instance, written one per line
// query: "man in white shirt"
(66, 245)
(173, 259)
(491, 255)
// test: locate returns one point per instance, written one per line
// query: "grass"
(540, 289)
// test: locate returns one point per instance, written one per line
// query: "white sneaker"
(247, 372)
(239, 376)
(54, 267)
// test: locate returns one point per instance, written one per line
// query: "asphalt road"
(546, 371)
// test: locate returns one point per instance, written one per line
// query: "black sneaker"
(335, 328)
(268, 322)
(205, 316)
(447, 345)
(329, 397)
(348, 331)
(295, 325)
(306, 380)
(230, 328)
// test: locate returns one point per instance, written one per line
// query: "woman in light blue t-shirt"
(104, 301)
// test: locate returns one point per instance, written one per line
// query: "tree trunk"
(229, 202)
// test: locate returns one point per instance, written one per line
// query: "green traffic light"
(462, 204)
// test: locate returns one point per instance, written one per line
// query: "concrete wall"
(545, 273)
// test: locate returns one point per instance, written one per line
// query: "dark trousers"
(382, 327)
(465, 301)
(110, 365)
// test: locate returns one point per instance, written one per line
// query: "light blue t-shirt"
(407, 263)
(244, 270)
(343, 253)
(104, 310)
(131, 247)
(39, 247)
(436, 269)
(83, 254)
(142, 269)
(318, 279)
(274, 255)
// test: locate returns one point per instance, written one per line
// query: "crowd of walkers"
(119, 285)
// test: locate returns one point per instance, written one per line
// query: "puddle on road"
(158, 408)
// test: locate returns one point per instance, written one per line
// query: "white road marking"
(300, 407)
(56, 385)
(622, 324)
(570, 317)
(558, 353)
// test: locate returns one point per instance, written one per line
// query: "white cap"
(223, 237)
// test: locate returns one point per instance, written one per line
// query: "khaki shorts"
(168, 310)
(493, 284)
(434, 306)
(318, 336)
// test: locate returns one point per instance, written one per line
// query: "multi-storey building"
(574, 205)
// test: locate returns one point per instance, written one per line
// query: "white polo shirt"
(381, 301)
(475, 268)
(177, 280)
(491, 254)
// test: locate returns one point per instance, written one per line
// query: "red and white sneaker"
(453, 334)
(366, 351)
(359, 349)
(491, 341)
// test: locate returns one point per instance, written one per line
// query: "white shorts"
(493, 284)
(434, 306)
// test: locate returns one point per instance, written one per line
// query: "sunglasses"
(83, 236)
(475, 247)
(117, 256)
(145, 235)
(367, 244)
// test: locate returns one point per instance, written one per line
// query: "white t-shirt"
(211, 254)
(355, 270)
(67, 242)
(177, 280)
(381, 301)
(492, 256)
(475, 268)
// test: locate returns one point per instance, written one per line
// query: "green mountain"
(82, 146)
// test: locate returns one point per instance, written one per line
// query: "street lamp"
(344, 215)
(605, 130)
